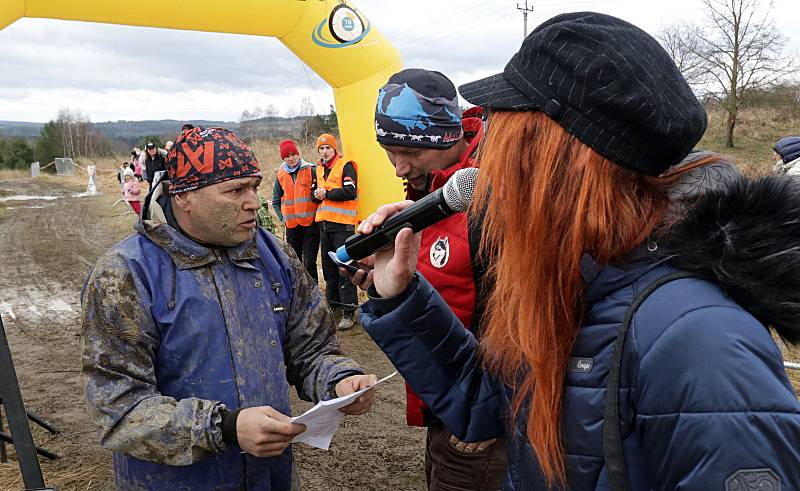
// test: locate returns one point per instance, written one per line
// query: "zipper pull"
(276, 287)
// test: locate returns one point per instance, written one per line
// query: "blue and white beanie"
(418, 108)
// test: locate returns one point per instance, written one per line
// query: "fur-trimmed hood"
(745, 237)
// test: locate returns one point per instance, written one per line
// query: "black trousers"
(341, 294)
(305, 242)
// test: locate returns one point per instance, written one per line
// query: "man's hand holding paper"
(356, 396)
(354, 384)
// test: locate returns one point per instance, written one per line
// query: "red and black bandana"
(204, 156)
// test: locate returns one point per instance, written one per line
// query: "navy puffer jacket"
(705, 403)
(788, 148)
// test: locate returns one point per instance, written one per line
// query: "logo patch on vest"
(579, 365)
(440, 252)
(753, 480)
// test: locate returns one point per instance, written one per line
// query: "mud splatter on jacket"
(173, 332)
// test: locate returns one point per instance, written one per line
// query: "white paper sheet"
(323, 419)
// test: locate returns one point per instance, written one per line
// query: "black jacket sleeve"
(314, 184)
(277, 194)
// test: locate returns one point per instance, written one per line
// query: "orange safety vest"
(336, 211)
(297, 206)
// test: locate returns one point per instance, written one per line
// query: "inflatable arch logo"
(345, 25)
(330, 36)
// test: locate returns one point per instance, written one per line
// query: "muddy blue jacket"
(705, 403)
(174, 332)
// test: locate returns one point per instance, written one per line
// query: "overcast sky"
(131, 73)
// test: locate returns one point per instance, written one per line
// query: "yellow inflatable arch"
(331, 36)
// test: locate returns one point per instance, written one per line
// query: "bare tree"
(254, 123)
(682, 42)
(79, 137)
(306, 111)
(64, 121)
(257, 113)
(271, 111)
(742, 52)
(306, 107)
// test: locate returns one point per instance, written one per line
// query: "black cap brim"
(495, 93)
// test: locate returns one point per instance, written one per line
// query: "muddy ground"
(47, 247)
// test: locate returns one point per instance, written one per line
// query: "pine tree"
(19, 155)
(48, 147)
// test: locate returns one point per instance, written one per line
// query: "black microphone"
(455, 196)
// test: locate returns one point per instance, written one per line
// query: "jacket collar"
(329, 164)
(603, 280)
(743, 237)
(471, 126)
(300, 165)
(188, 254)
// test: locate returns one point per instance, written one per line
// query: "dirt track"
(47, 248)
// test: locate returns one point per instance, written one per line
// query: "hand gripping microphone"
(455, 196)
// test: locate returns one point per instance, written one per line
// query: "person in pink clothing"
(137, 170)
(131, 190)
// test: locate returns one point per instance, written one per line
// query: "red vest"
(445, 259)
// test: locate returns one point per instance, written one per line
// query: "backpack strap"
(612, 433)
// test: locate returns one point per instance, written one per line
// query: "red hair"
(552, 200)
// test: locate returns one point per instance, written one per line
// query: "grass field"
(757, 131)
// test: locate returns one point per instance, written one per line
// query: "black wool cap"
(605, 81)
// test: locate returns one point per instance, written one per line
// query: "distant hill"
(17, 128)
(131, 131)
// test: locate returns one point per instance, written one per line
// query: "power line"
(457, 26)
(493, 16)
(426, 40)
(436, 22)
(455, 21)
(313, 89)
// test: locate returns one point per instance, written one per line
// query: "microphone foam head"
(459, 189)
(342, 255)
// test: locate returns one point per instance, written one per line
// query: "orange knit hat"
(327, 139)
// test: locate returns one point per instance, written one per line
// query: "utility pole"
(525, 10)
